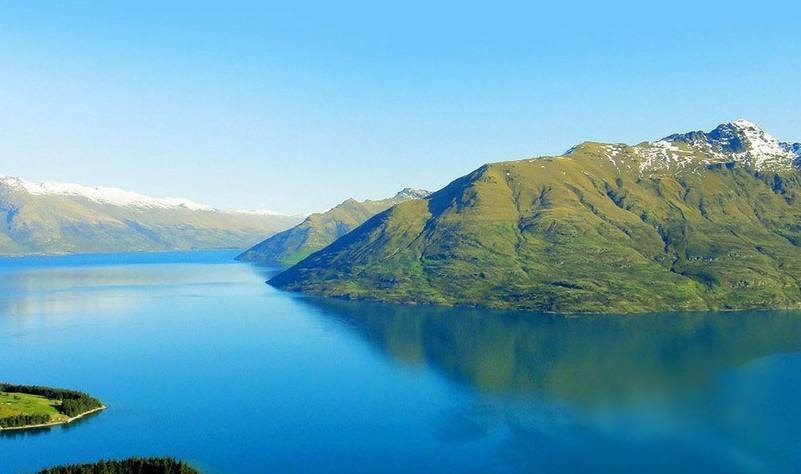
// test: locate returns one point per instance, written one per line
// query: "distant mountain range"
(321, 229)
(693, 221)
(57, 218)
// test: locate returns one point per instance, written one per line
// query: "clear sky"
(297, 106)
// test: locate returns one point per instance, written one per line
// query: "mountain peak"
(742, 135)
(740, 141)
(748, 141)
(412, 193)
(744, 124)
(291, 246)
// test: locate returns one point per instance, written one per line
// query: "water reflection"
(605, 393)
(592, 358)
(53, 291)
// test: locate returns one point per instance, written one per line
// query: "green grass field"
(15, 404)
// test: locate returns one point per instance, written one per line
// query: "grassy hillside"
(319, 230)
(18, 406)
(604, 228)
(58, 224)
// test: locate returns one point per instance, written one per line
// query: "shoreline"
(55, 423)
(559, 313)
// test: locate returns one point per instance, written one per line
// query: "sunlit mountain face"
(694, 221)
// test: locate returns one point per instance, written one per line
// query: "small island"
(30, 406)
(127, 466)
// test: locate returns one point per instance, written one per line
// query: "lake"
(197, 358)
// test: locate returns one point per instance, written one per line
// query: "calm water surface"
(197, 358)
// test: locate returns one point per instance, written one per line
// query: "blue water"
(197, 358)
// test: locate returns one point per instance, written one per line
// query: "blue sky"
(297, 106)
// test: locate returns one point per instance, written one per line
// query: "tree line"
(127, 466)
(24, 420)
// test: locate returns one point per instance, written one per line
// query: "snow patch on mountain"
(663, 154)
(739, 141)
(412, 193)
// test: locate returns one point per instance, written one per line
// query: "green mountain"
(319, 230)
(58, 218)
(694, 221)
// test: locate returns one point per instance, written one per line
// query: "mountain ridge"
(682, 223)
(60, 218)
(321, 229)
(119, 197)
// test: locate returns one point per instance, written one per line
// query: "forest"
(128, 466)
(24, 420)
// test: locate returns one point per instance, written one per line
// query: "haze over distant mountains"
(57, 218)
(321, 229)
(693, 221)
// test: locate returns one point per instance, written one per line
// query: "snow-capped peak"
(745, 124)
(743, 141)
(747, 140)
(103, 195)
(412, 193)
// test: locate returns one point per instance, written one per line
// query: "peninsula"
(30, 406)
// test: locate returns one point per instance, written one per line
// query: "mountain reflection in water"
(592, 357)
